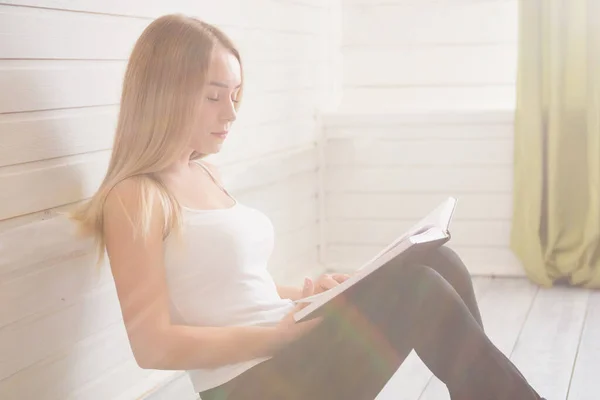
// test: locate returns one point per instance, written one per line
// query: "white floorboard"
(546, 349)
(585, 384)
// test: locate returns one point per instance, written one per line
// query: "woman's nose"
(230, 114)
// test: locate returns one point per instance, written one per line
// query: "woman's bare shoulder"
(125, 203)
(124, 196)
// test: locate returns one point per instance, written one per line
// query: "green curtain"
(556, 204)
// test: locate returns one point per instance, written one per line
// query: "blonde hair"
(161, 90)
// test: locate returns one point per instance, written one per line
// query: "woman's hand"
(328, 281)
(288, 330)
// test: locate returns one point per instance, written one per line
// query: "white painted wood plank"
(374, 206)
(267, 170)
(294, 216)
(43, 185)
(427, 98)
(491, 261)
(64, 371)
(311, 3)
(269, 76)
(38, 216)
(416, 2)
(452, 152)
(398, 22)
(291, 245)
(180, 388)
(37, 245)
(382, 122)
(423, 179)
(504, 309)
(584, 382)
(481, 261)
(46, 184)
(267, 46)
(282, 195)
(380, 233)
(429, 132)
(47, 84)
(42, 85)
(52, 287)
(546, 349)
(298, 268)
(49, 134)
(490, 64)
(281, 16)
(20, 344)
(154, 383)
(113, 383)
(41, 33)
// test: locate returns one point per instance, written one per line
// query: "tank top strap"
(213, 177)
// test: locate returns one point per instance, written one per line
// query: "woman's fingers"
(309, 287)
(326, 282)
(339, 278)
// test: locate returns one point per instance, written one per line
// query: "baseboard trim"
(178, 386)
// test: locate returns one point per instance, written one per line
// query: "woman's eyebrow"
(223, 85)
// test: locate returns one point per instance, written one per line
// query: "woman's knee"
(424, 286)
(448, 263)
(422, 276)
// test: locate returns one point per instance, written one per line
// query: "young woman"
(189, 261)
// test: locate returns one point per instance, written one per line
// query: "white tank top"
(217, 276)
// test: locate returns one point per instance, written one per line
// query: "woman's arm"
(139, 276)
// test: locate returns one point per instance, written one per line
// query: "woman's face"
(217, 110)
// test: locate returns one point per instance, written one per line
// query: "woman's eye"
(217, 99)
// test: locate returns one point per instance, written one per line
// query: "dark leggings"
(426, 304)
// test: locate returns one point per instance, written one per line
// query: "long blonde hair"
(161, 90)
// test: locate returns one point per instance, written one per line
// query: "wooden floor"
(552, 335)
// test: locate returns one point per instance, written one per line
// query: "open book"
(431, 230)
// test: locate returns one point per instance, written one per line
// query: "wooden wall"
(386, 172)
(407, 55)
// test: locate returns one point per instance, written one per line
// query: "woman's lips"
(222, 135)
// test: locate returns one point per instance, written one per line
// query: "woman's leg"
(368, 332)
(449, 265)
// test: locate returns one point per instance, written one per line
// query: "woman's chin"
(210, 150)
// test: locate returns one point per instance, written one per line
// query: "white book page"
(431, 228)
(430, 235)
